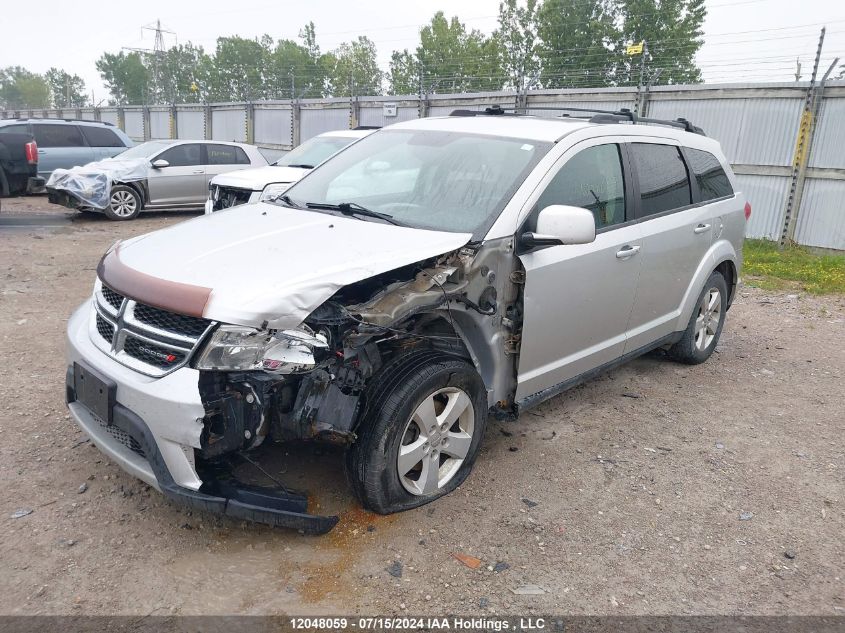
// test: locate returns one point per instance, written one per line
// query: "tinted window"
(100, 136)
(186, 155)
(51, 135)
(591, 179)
(226, 155)
(662, 176)
(20, 128)
(314, 151)
(711, 178)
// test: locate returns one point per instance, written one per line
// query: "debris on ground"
(746, 516)
(82, 488)
(789, 554)
(529, 590)
(470, 561)
(395, 569)
(501, 566)
(17, 514)
(529, 503)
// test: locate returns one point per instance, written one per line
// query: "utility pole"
(157, 52)
(802, 152)
(644, 54)
(797, 70)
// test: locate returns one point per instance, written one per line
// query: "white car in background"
(264, 183)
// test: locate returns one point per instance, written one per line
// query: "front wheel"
(124, 203)
(419, 434)
(705, 325)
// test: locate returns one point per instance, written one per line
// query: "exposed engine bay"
(452, 303)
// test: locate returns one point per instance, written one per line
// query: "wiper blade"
(300, 165)
(353, 208)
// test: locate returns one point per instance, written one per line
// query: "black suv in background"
(19, 165)
(66, 143)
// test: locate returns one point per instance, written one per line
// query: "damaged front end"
(312, 383)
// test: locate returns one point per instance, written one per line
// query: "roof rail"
(367, 127)
(50, 118)
(598, 116)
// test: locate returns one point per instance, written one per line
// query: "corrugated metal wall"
(822, 218)
(133, 121)
(190, 124)
(160, 124)
(829, 143)
(273, 126)
(314, 121)
(229, 124)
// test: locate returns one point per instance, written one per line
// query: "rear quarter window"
(712, 180)
(54, 135)
(100, 136)
(18, 128)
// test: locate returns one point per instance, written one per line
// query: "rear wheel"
(705, 326)
(124, 203)
(420, 432)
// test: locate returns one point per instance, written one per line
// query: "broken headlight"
(235, 348)
(271, 192)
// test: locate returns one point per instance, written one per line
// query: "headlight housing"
(236, 348)
(273, 191)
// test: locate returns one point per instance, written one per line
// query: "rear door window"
(226, 155)
(712, 180)
(54, 135)
(662, 176)
(100, 136)
(187, 155)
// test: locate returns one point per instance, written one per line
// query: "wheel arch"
(721, 258)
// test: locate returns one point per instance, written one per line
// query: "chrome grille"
(148, 339)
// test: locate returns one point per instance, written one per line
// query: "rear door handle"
(701, 228)
(198, 171)
(627, 251)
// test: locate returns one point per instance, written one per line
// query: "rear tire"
(124, 203)
(420, 432)
(705, 325)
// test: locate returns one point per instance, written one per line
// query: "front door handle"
(627, 251)
(701, 228)
(198, 171)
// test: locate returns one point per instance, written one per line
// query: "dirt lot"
(655, 489)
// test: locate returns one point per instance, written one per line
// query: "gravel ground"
(654, 489)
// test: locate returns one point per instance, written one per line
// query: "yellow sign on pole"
(634, 49)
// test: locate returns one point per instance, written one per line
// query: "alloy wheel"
(123, 203)
(436, 440)
(707, 321)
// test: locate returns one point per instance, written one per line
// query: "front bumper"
(63, 198)
(211, 207)
(156, 425)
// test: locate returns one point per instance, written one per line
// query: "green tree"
(20, 88)
(576, 43)
(403, 74)
(66, 90)
(517, 35)
(295, 69)
(181, 74)
(353, 69)
(240, 69)
(673, 31)
(125, 76)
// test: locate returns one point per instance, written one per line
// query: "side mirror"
(560, 224)
(160, 163)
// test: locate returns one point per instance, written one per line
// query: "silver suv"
(432, 274)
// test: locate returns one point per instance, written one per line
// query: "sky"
(745, 40)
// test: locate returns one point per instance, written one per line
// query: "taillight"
(747, 211)
(31, 150)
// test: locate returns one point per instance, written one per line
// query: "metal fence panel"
(109, 116)
(318, 120)
(228, 124)
(766, 195)
(190, 124)
(134, 122)
(821, 221)
(374, 115)
(273, 125)
(160, 124)
(89, 114)
(829, 141)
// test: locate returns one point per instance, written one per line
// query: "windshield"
(144, 150)
(314, 151)
(445, 181)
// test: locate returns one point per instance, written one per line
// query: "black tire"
(401, 387)
(124, 204)
(691, 349)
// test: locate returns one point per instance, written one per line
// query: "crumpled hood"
(262, 263)
(258, 178)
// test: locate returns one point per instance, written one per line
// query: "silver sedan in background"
(154, 175)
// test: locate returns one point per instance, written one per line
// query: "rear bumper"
(36, 184)
(156, 425)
